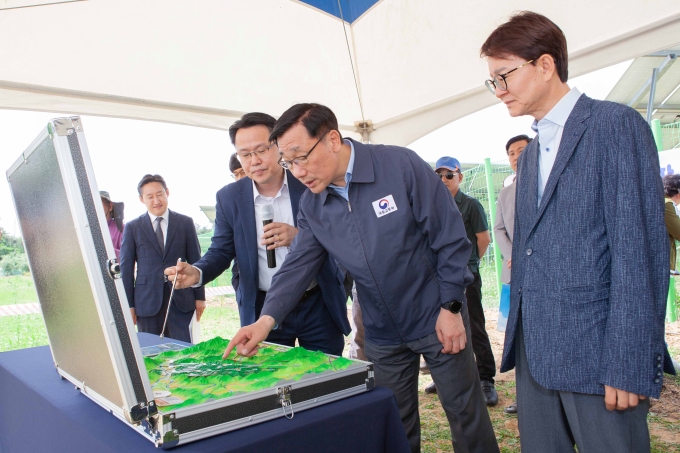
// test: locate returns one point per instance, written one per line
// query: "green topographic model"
(198, 374)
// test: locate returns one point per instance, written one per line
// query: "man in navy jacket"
(590, 254)
(383, 214)
(154, 241)
(319, 322)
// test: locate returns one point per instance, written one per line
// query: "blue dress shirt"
(344, 191)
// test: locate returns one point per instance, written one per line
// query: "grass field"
(221, 319)
(17, 289)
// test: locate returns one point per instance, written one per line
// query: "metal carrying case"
(92, 338)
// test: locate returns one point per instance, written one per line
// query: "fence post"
(498, 262)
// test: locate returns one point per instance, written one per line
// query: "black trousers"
(486, 365)
(177, 326)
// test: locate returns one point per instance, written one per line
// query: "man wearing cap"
(477, 231)
(114, 219)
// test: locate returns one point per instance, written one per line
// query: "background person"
(590, 253)
(671, 188)
(114, 218)
(154, 241)
(382, 214)
(477, 231)
(505, 224)
(319, 322)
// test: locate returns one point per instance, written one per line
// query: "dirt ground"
(664, 417)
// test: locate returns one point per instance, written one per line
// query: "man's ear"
(336, 140)
(167, 192)
(141, 200)
(547, 64)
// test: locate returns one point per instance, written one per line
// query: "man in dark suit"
(590, 254)
(154, 241)
(319, 322)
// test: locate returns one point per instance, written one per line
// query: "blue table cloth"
(40, 412)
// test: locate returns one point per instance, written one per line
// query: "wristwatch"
(455, 306)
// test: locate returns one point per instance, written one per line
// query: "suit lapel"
(173, 226)
(571, 135)
(145, 220)
(246, 208)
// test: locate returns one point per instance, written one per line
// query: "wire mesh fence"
(476, 183)
(670, 136)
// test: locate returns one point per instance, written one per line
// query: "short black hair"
(251, 120)
(316, 118)
(515, 139)
(146, 179)
(671, 185)
(234, 163)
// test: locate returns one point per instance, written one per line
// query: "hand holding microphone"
(276, 234)
(267, 214)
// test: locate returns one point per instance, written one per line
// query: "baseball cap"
(449, 163)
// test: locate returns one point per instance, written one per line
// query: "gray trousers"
(553, 421)
(458, 387)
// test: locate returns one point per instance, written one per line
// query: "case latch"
(283, 397)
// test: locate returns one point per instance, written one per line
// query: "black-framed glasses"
(449, 176)
(499, 81)
(300, 161)
(259, 152)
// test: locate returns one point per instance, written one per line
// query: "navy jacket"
(405, 263)
(590, 264)
(236, 237)
(145, 293)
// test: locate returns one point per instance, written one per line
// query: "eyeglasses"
(260, 152)
(240, 173)
(499, 81)
(449, 176)
(300, 161)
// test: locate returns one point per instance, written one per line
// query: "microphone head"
(267, 211)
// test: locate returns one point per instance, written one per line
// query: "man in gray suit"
(590, 254)
(505, 221)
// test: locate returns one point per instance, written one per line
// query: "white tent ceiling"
(206, 62)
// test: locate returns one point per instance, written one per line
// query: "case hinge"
(283, 397)
(370, 377)
(142, 411)
(114, 268)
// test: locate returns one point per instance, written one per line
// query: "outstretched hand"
(187, 275)
(247, 338)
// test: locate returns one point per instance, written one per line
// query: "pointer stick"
(174, 282)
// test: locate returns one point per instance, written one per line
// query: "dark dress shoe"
(490, 395)
(431, 389)
(423, 368)
(511, 409)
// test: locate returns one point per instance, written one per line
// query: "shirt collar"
(560, 113)
(350, 166)
(165, 216)
(281, 190)
(459, 196)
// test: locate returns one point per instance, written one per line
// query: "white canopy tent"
(406, 66)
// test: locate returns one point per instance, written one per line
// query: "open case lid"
(76, 274)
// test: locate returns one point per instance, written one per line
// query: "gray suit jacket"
(504, 226)
(590, 263)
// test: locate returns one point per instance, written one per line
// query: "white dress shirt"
(164, 224)
(549, 131)
(283, 212)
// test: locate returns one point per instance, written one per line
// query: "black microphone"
(267, 213)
